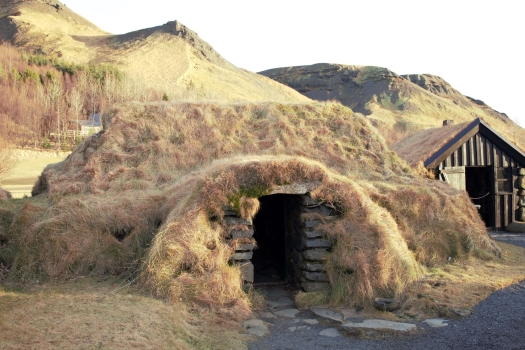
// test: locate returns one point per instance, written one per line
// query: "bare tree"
(55, 93)
(110, 87)
(76, 103)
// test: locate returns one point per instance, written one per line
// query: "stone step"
(381, 324)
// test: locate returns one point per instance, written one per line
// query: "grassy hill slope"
(396, 104)
(169, 58)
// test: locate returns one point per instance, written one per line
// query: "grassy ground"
(89, 313)
(463, 284)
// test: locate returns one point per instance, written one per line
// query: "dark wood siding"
(481, 151)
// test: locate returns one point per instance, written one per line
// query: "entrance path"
(498, 322)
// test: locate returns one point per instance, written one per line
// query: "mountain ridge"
(397, 104)
(170, 57)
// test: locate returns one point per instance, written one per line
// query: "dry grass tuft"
(88, 313)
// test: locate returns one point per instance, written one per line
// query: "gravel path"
(498, 322)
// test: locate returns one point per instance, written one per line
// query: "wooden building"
(473, 157)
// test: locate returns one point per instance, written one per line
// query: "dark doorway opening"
(274, 231)
(479, 188)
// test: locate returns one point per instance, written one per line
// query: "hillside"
(396, 104)
(170, 58)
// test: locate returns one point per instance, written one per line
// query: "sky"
(476, 46)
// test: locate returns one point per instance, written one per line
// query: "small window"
(504, 179)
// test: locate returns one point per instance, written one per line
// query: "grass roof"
(421, 145)
(144, 198)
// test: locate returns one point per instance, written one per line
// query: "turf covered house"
(195, 199)
(473, 157)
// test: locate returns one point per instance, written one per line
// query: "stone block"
(312, 266)
(315, 254)
(316, 243)
(521, 182)
(316, 276)
(247, 271)
(515, 227)
(321, 209)
(312, 234)
(242, 256)
(308, 201)
(296, 188)
(315, 286)
(381, 324)
(236, 234)
(311, 224)
(521, 171)
(244, 247)
(237, 221)
(520, 214)
(385, 304)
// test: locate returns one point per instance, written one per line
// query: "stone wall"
(307, 245)
(521, 195)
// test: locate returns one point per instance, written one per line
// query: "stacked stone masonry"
(309, 246)
(240, 232)
(521, 194)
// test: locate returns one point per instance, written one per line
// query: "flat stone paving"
(495, 323)
(282, 315)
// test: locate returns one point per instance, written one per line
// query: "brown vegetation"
(91, 313)
(178, 164)
(170, 58)
(42, 98)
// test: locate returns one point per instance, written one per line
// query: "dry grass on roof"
(419, 146)
(145, 200)
(153, 145)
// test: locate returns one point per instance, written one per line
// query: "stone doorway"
(276, 235)
(282, 243)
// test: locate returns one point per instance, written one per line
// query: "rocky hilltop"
(171, 58)
(393, 102)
